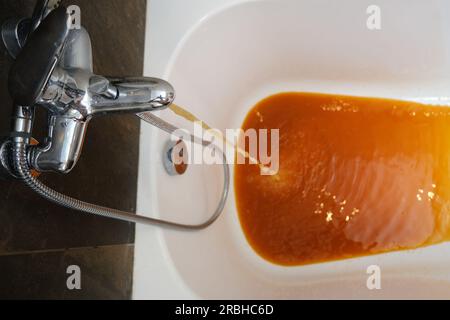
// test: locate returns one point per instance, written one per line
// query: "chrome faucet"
(67, 87)
(53, 70)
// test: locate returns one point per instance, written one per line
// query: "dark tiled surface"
(105, 274)
(107, 171)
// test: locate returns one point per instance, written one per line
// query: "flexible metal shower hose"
(22, 168)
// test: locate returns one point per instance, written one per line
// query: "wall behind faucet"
(39, 240)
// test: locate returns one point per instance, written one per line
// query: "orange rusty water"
(357, 176)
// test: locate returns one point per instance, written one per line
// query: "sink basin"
(224, 56)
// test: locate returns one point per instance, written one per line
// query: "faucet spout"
(131, 95)
(80, 94)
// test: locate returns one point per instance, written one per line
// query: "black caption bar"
(226, 309)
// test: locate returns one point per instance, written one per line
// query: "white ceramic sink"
(224, 56)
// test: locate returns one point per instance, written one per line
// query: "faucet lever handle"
(34, 64)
